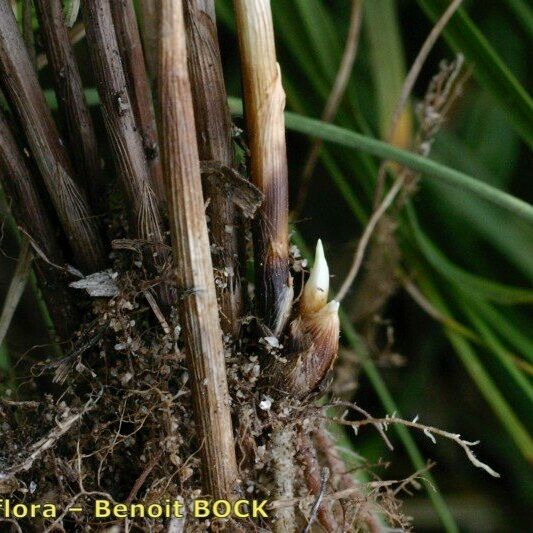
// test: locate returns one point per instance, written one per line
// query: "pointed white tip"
(315, 294)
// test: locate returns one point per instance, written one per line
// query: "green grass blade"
(449, 176)
(484, 382)
(386, 57)
(322, 35)
(506, 328)
(465, 281)
(501, 353)
(4, 358)
(523, 14)
(490, 71)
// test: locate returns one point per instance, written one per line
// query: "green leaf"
(523, 14)
(501, 353)
(386, 56)
(506, 328)
(465, 281)
(514, 241)
(488, 68)
(4, 358)
(483, 381)
(431, 169)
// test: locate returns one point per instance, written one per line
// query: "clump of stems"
(30, 214)
(119, 119)
(131, 53)
(69, 91)
(213, 133)
(22, 89)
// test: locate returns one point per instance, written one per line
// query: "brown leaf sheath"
(264, 102)
(149, 32)
(69, 91)
(21, 85)
(119, 120)
(30, 214)
(192, 257)
(213, 133)
(131, 53)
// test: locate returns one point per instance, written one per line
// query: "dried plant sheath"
(29, 212)
(313, 337)
(213, 132)
(119, 120)
(192, 257)
(22, 89)
(149, 31)
(131, 53)
(264, 102)
(69, 91)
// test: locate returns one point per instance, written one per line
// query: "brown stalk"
(119, 120)
(76, 34)
(69, 91)
(21, 85)
(131, 53)
(192, 257)
(308, 458)
(213, 133)
(27, 31)
(149, 33)
(16, 180)
(264, 101)
(326, 445)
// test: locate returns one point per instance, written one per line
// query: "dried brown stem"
(69, 91)
(326, 445)
(264, 101)
(149, 33)
(119, 120)
(213, 132)
(131, 53)
(282, 451)
(27, 30)
(308, 457)
(75, 34)
(192, 258)
(30, 214)
(22, 88)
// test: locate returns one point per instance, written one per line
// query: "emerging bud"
(313, 336)
(315, 293)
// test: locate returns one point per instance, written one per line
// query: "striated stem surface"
(149, 31)
(69, 91)
(21, 86)
(29, 213)
(192, 258)
(131, 53)
(119, 120)
(213, 133)
(264, 102)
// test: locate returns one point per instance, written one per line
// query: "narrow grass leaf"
(428, 167)
(16, 288)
